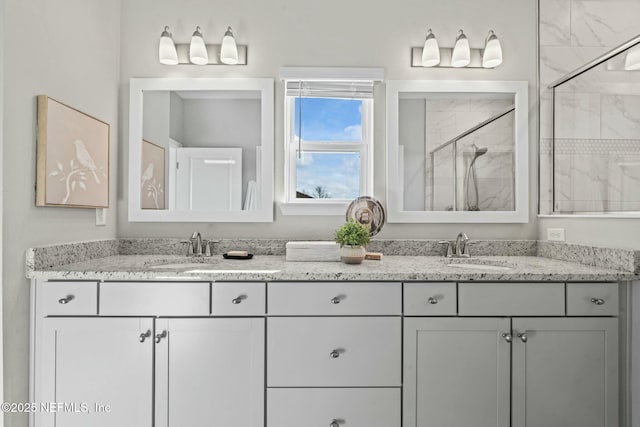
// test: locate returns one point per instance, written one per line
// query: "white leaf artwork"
(83, 185)
(73, 186)
(54, 173)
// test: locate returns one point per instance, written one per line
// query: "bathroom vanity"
(325, 344)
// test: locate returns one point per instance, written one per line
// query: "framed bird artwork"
(72, 157)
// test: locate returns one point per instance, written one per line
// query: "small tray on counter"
(227, 256)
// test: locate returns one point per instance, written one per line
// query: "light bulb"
(461, 56)
(431, 51)
(229, 50)
(198, 49)
(492, 55)
(167, 54)
(632, 59)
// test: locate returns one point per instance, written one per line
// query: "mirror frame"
(266, 180)
(394, 192)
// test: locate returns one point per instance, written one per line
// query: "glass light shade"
(430, 51)
(229, 50)
(461, 56)
(632, 59)
(167, 53)
(492, 55)
(198, 49)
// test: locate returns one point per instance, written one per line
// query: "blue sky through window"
(329, 119)
(337, 173)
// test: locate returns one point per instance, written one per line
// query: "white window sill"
(314, 208)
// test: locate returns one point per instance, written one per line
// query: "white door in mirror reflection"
(209, 179)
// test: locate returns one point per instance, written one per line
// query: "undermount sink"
(180, 265)
(478, 264)
(481, 267)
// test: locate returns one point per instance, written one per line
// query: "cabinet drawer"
(69, 298)
(592, 299)
(311, 407)
(238, 299)
(154, 299)
(511, 299)
(334, 298)
(430, 299)
(334, 352)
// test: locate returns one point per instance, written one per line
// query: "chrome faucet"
(460, 250)
(461, 245)
(196, 243)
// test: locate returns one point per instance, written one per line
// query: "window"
(329, 142)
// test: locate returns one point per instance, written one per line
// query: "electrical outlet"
(101, 216)
(555, 234)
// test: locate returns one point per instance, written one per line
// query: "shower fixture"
(471, 174)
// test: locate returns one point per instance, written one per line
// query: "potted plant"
(352, 237)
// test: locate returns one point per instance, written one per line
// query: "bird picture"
(85, 159)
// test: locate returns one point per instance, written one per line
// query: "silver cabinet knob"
(334, 423)
(523, 337)
(238, 299)
(67, 299)
(597, 301)
(432, 300)
(160, 336)
(507, 337)
(335, 354)
(335, 300)
(144, 336)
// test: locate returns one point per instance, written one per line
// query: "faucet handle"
(189, 244)
(449, 247)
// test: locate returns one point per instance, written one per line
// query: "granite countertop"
(274, 268)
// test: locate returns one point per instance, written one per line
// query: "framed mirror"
(457, 151)
(201, 150)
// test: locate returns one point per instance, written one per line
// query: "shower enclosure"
(454, 181)
(591, 164)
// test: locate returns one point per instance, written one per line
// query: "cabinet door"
(566, 373)
(86, 364)
(210, 372)
(456, 372)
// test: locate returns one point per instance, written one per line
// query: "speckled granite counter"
(275, 268)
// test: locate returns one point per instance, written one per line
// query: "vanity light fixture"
(229, 50)
(462, 55)
(198, 52)
(167, 53)
(632, 59)
(430, 51)
(492, 53)
(198, 49)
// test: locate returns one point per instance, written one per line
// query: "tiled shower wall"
(597, 115)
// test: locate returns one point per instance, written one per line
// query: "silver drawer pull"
(334, 423)
(335, 300)
(238, 299)
(507, 337)
(67, 299)
(432, 300)
(597, 301)
(160, 336)
(523, 337)
(144, 336)
(335, 353)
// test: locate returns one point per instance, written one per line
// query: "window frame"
(293, 205)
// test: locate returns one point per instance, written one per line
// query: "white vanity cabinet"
(151, 352)
(504, 370)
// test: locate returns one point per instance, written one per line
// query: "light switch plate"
(101, 216)
(555, 234)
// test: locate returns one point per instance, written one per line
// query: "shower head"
(479, 151)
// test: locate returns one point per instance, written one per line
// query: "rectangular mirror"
(457, 151)
(201, 150)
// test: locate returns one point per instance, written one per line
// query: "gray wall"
(1, 195)
(69, 50)
(330, 33)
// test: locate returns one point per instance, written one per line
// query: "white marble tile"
(555, 22)
(442, 123)
(577, 115)
(603, 22)
(556, 62)
(621, 116)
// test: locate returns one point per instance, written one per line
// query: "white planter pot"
(352, 255)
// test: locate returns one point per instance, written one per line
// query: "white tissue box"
(313, 251)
